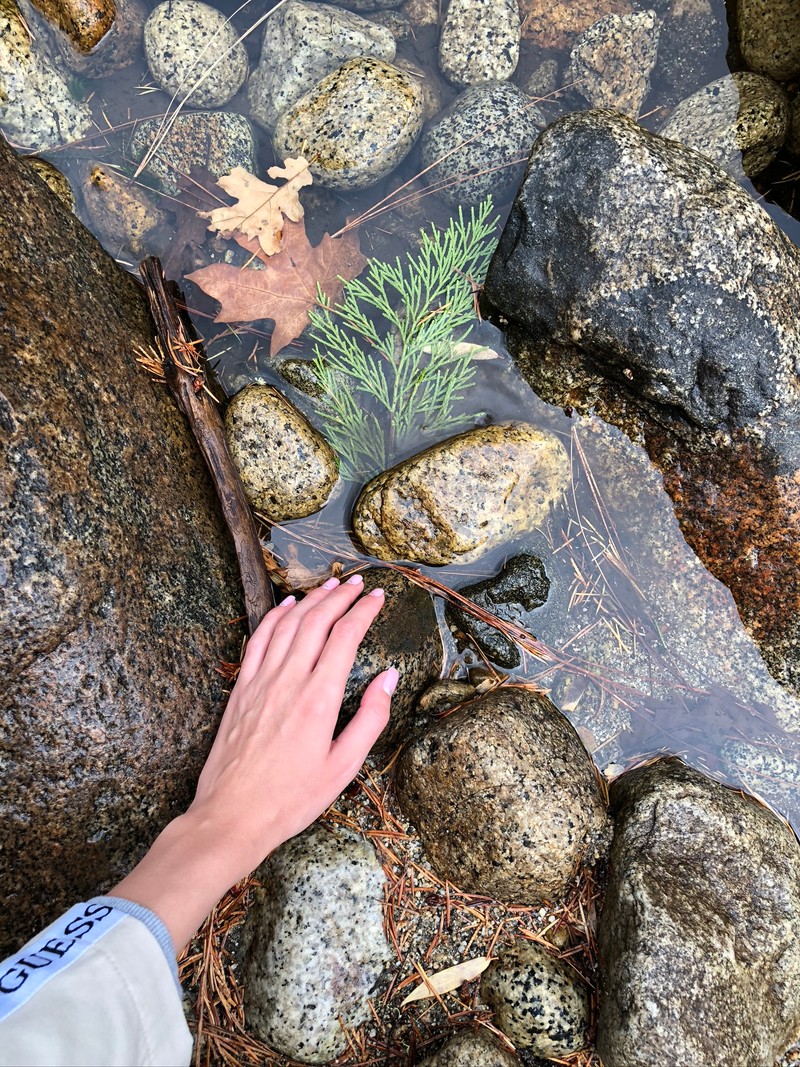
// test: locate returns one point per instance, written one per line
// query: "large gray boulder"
(118, 579)
(698, 933)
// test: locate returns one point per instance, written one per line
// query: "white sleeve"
(97, 987)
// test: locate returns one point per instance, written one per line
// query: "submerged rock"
(698, 933)
(477, 146)
(557, 23)
(115, 49)
(539, 1002)
(469, 1049)
(120, 213)
(479, 42)
(302, 44)
(119, 578)
(287, 468)
(315, 943)
(504, 796)
(185, 42)
(739, 121)
(357, 124)
(611, 64)
(768, 33)
(57, 182)
(464, 496)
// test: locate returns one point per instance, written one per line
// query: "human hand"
(274, 766)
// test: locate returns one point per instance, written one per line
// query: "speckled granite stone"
(464, 496)
(216, 140)
(739, 121)
(481, 142)
(118, 47)
(539, 1002)
(768, 33)
(183, 40)
(697, 937)
(119, 579)
(120, 213)
(53, 179)
(469, 1049)
(315, 943)
(504, 796)
(287, 468)
(611, 63)
(356, 125)
(37, 109)
(479, 41)
(793, 136)
(302, 44)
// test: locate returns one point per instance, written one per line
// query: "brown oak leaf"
(260, 207)
(286, 289)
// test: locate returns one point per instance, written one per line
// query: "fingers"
(350, 748)
(260, 639)
(338, 652)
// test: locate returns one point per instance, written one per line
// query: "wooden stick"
(183, 363)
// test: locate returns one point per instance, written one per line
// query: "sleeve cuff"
(153, 924)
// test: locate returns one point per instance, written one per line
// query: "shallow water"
(647, 653)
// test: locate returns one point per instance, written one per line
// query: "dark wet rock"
(698, 933)
(118, 576)
(357, 124)
(691, 49)
(504, 796)
(513, 595)
(543, 80)
(539, 1002)
(479, 42)
(662, 296)
(611, 63)
(315, 943)
(464, 496)
(37, 109)
(55, 181)
(406, 636)
(216, 140)
(287, 468)
(468, 1049)
(768, 33)
(739, 121)
(793, 136)
(120, 213)
(182, 41)
(364, 6)
(473, 143)
(302, 44)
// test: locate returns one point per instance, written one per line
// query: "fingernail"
(355, 579)
(288, 601)
(331, 583)
(390, 680)
(376, 592)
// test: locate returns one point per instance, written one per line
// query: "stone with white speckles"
(610, 64)
(539, 1002)
(739, 121)
(302, 44)
(183, 40)
(769, 36)
(479, 41)
(315, 943)
(468, 1049)
(357, 124)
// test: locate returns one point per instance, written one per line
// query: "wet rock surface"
(405, 635)
(216, 140)
(472, 1050)
(513, 595)
(469, 167)
(611, 64)
(558, 23)
(357, 124)
(504, 797)
(538, 1001)
(768, 33)
(672, 315)
(739, 121)
(287, 468)
(302, 44)
(462, 497)
(182, 41)
(479, 42)
(697, 936)
(315, 943)
(123, 214)
(119, 579)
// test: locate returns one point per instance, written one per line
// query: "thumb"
(354, 742)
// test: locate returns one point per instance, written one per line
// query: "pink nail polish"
(288, 601)
(376, 592)
(391, 680)
(331, 583)
(355, 579)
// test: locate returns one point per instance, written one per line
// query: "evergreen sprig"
(387, 356)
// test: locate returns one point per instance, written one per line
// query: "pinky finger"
(351, 747)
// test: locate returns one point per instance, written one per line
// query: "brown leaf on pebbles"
(447, 980)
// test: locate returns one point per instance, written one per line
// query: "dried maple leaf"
(260, 208)
(286, 289)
